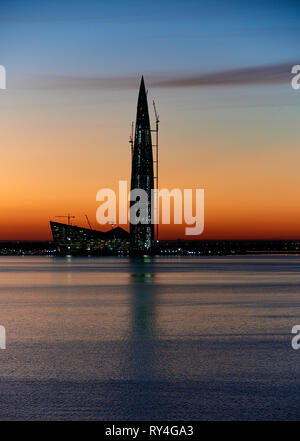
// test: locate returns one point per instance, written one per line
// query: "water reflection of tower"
(143, 297)
(140, 400)
(142, 339)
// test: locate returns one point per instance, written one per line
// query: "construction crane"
(69, 217)
(88, 221)
(156, 166)
(131, 139)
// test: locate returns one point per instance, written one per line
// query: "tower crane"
(156, 166)
(69, 217)
(88, 221)
(131, 139)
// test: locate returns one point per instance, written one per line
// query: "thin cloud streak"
(264, 75)
(249, 76)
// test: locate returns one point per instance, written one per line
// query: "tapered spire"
(142, 115)
(142, 235)
(142, 92)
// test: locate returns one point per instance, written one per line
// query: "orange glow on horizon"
(54, 167)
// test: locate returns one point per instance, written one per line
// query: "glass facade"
(70, 239)
(142, 234)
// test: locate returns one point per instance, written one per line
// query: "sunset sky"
(219, 72)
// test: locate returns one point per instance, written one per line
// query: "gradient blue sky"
(129, 37)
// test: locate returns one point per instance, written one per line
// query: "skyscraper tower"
(142, 234)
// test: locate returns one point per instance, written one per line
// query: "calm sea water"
(150, 339)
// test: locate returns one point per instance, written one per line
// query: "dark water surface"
(149, 339)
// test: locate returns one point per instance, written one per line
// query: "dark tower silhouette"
(142, 234)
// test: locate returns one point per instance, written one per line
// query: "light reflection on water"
(149, 338)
